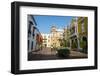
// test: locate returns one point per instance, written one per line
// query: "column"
(70, 43)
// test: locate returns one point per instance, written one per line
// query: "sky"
(44, 23)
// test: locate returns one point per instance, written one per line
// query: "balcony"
(73, 31)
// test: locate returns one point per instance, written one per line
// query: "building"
(56, 37)
(34, 36)
(46, 40)
(83, 32)
(74, 41)
(77, 33)
(66, 35)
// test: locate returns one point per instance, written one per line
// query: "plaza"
(45, 46)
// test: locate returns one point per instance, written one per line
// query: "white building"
(46, 40)
(33, 33)
(53, 39)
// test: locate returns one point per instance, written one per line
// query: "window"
(82, 27)
(33, 32)
(44, 41)
(82, 20)
(48, 36)
(44, 37)
(29, 30)
(30, 22)
(54, 35)
(28, 44)
(61, 35)
(32, 45)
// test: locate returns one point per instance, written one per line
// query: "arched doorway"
(84, 39)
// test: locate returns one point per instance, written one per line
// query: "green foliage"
(63, 52)
(63, 43)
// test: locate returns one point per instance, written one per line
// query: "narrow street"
(47, 54)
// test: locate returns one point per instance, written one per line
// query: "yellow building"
(77, 33)
(56, 37)
(83, 33)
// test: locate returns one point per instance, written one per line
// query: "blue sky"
(44, 23)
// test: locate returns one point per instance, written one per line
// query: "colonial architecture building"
(34, 36)
(56, 36)
(83, 32)
(75, 34)
(74, 41)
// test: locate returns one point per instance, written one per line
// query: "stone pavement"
(47, 54)
(77, 54)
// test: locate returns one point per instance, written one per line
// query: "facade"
(74, 41)
(46, 40)
(75, 35)
(34, 36)
(83, 32)
(56, 37)
(66, 35)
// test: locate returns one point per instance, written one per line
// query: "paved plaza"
(48, 54)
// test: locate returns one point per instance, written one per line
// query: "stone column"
(78, 42)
